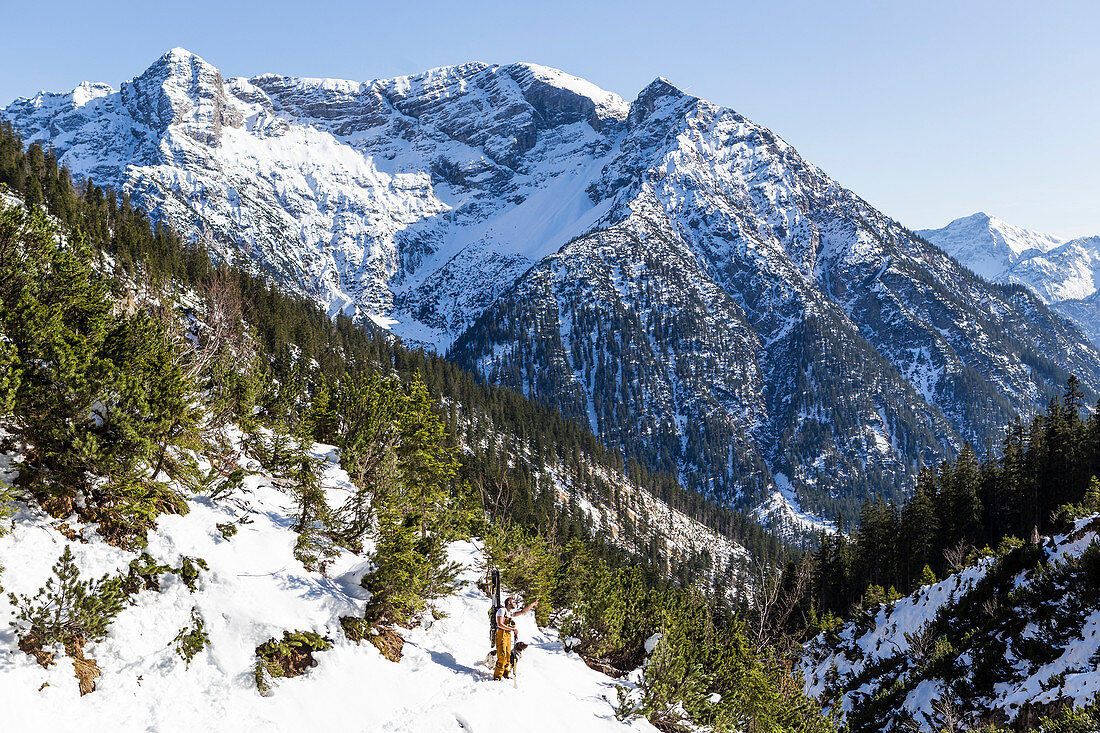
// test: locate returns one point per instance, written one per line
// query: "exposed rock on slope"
(666, 270)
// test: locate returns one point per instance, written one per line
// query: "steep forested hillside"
(1000, 645)
(964, 507)
(1009, 637)
(142, 385)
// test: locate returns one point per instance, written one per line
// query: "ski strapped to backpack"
(493, 611)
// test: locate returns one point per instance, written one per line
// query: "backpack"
(493, 610)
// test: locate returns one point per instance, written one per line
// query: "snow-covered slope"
(665, 270)
(987, 244)
(1068, 272)
(1065, 274)
(252, 591)
(618, 509)
(1006, 640)
(414, 200)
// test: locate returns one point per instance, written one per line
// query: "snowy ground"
(1070, 674)
(253, 591)
(782, 513)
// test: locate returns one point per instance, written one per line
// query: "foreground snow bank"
(254, 590)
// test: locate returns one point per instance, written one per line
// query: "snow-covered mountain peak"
(987, 244)
(560, 96)
(181, 71)
(1065, 274)
(660, 86)
(642, 107)
(181, 89)
(179, 54)
(1021, 240)
(526, 220)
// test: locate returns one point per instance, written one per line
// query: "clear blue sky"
(930, 110)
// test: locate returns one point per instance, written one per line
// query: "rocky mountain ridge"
(665, 270)
(1064, 273)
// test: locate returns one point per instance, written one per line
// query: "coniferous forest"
(1042, 476)
(121, 345)
(123, 349)
(983, 582)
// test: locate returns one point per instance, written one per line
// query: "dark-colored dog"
(517, 652)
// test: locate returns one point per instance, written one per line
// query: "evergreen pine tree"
(9, 376)
(413, 522)
(314, 520)
(324, 422)
(927, 577)
(919, 527)
(67, 608)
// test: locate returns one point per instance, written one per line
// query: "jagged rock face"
(1065, 274)
(352, 193)
(738, 315)
(665, 270)
(183, 92)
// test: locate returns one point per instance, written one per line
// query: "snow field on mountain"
(329, 202)
(253, 591)
(719, 286)
(782, 512)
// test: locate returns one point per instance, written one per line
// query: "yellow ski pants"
(504, 654)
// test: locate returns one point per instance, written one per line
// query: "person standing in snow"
(506, 631)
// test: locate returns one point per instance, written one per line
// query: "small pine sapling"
(287, 657)
(191, 639)
(927, 576)
(315, 520)
(68, 610)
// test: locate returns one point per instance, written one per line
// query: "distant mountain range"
(670, 273)
(1065, 273)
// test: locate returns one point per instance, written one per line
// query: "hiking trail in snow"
(253, 591)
